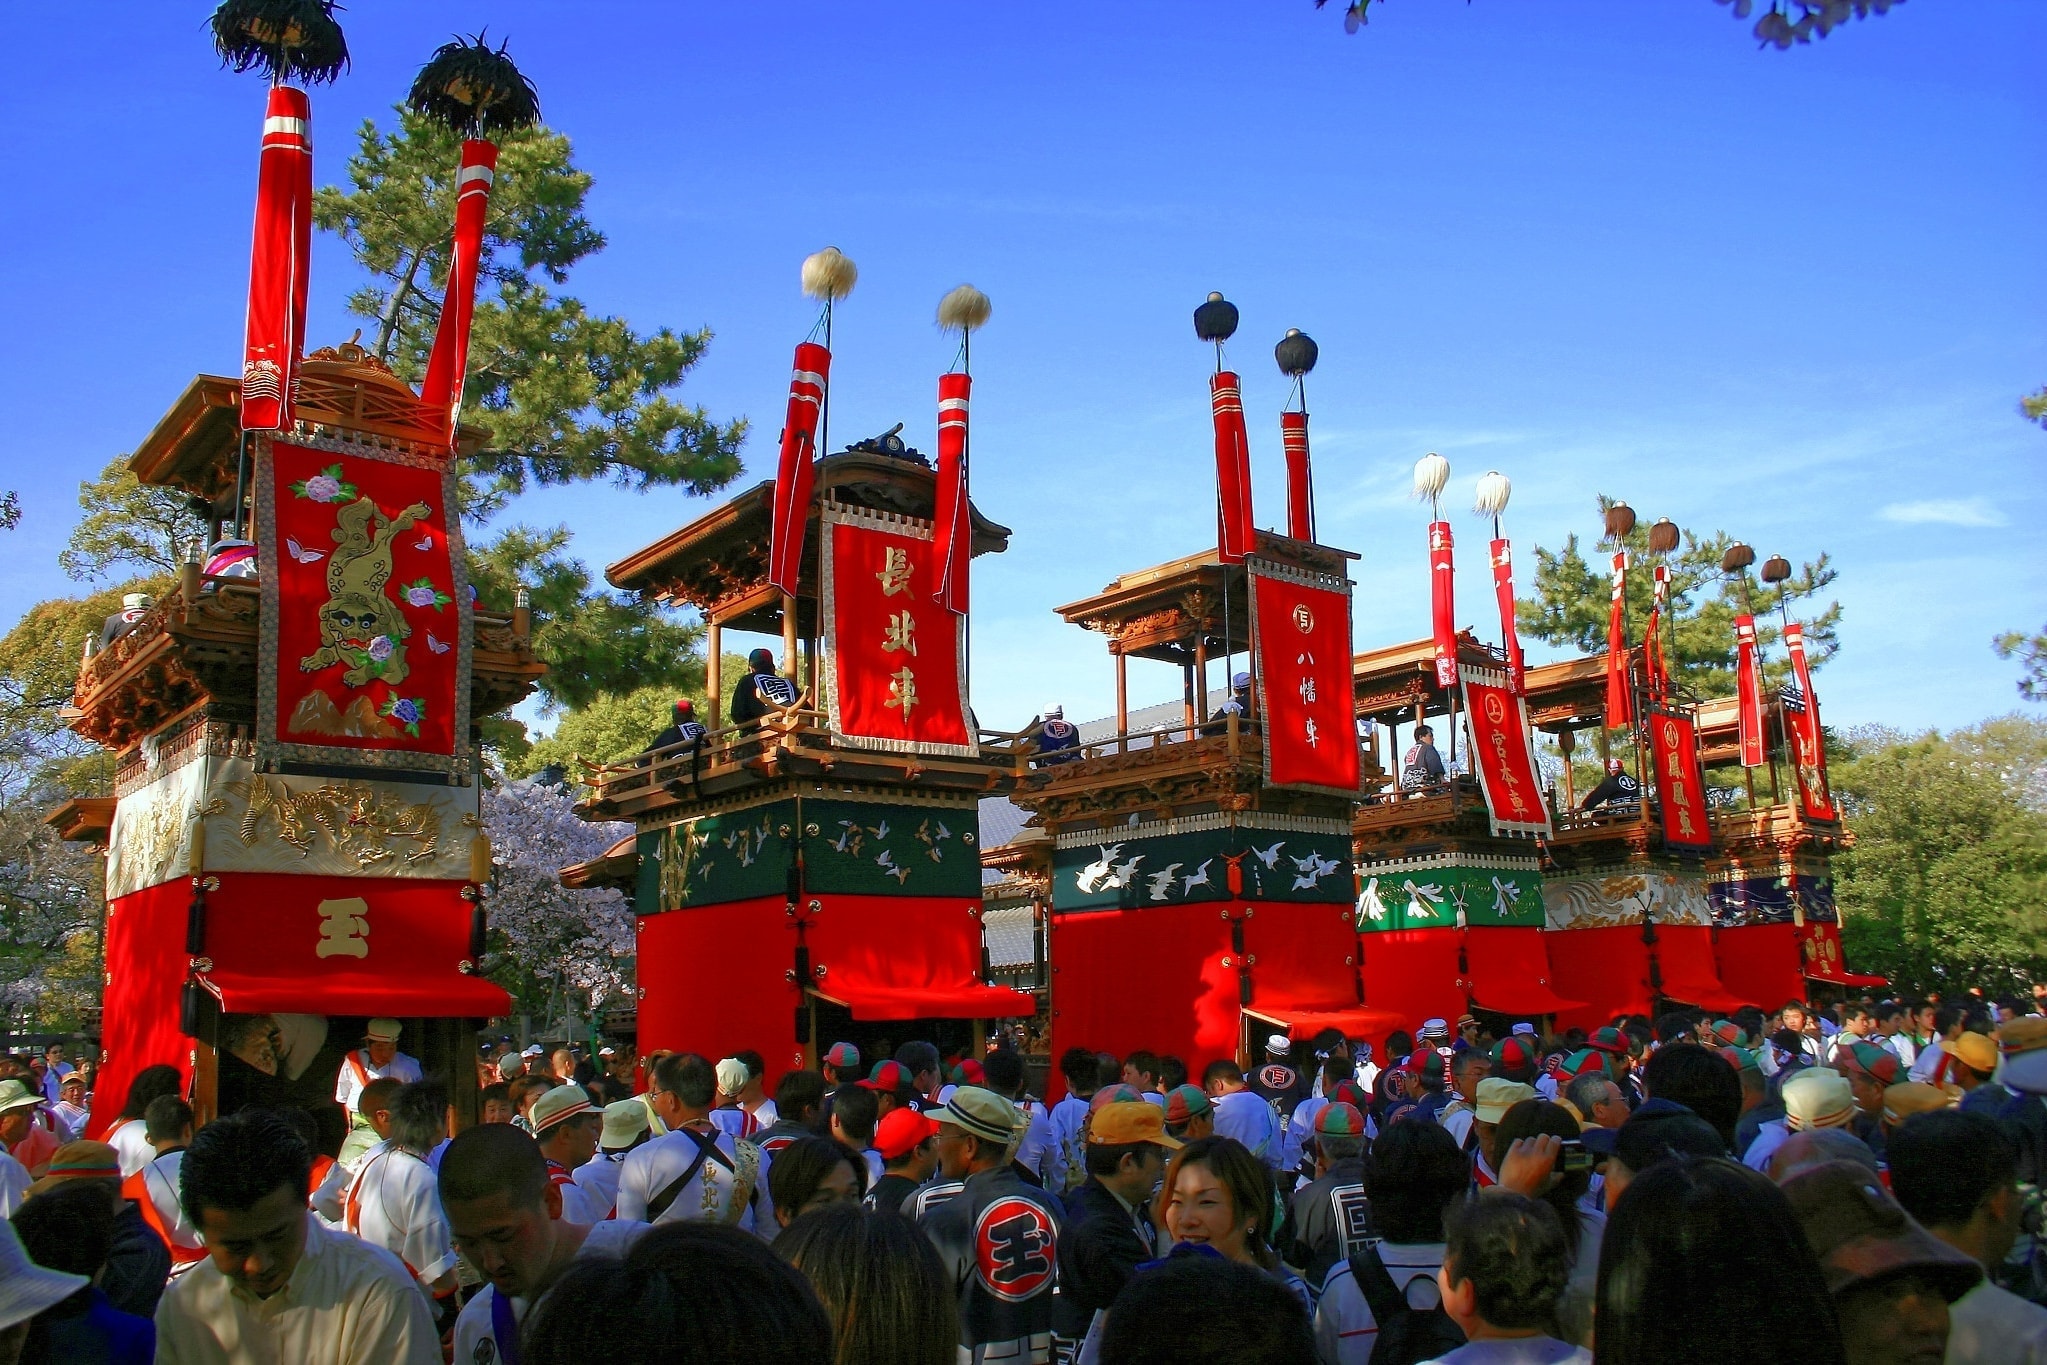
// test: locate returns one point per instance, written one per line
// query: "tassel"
(796, 475)
(448, 364)
(1234, 527)
(280, 263)
(954, 532)
(480, 859)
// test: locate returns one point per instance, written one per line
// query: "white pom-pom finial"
(965, 309)
(829, 274)
(1431, 473)
(1493, 492)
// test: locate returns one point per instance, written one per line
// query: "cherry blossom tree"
(547, 941)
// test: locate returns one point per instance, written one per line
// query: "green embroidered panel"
(850, 848)
(1203, 865)
(1428, 893)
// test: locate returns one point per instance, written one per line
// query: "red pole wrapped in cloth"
(1656, 668)
(1443, 602)
(1620, 697)
(1510, 635)
(280, 263)
(448, 364)
(795, 476)
(1748, 691)
(1234, 537)
(1813, 789)
(1300, 487)
(953, 530)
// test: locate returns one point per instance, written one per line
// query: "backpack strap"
(707, 1148)
(1376, 1283)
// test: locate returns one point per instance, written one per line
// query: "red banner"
(1443, 602)
(366, 609)
(1498, 717)
(1748, 692)
(897, 674)
(1815, 796)
(1620, 696)
(1655, 668)
(954, 524)
(1680, 783)
(280, 263)
(1300, 637)
(1510, 634)
(1235, 535)
(795, 475)
(448, 364)
(1300, 485)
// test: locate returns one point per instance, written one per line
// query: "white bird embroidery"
(1313, 869)
(1161, 881)
(1369, 904)
(1123, 872)
(301, 553)
(851, 838)
(1269, 856)
(1095, 875)
(1198, 877)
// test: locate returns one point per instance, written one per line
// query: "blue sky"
(1603, 247)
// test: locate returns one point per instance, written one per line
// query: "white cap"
(383, 1030)
(606, 1052)
(1240, 680)
(1524, 1029)
(533, 1050)
(131, 600)
(26, 1289)
(732, 1076)
(1278, 1044)
(1055, 713)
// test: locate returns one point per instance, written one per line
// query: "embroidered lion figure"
(359, 625)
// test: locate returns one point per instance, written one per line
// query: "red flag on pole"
(448, 364)
(280, 263)
(1503, 588)
(1300, 488)
(954, 524)
(1656, 668)
(1443, 602)
(795, 476)
(1620, 696)
(1234, 537)
(1748, 691)
(1813, 792)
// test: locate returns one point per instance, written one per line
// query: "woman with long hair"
(126, 1136)
(881, 1282)
(814, 1173)
(1703, 1263)
(1219, 1196)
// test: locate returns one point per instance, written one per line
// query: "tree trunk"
(387, 328)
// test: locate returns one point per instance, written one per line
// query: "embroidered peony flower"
(382, 648)
(422, 594)
(406, 710)
(323, 488)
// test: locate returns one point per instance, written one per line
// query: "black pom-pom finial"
(474, 89)
(287, 40)
(1216, 319)
(1296, 353)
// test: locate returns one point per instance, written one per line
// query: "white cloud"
(1945, 512)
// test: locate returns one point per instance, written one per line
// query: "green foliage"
(129, 523)
(1945, 887)
(566, 395)
(10, 510)
(1573, 596)
(2033, 407)
(1784, 23)
(39, 658)
(2031, 652)
(608, 729)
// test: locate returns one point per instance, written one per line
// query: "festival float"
(812, 874)
(293, 843)
(1199, 871)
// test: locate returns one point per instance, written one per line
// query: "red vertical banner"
(954, 525)
(1498, 716)
(1680, 783)
(1748, 692)
(1656, 668)
(1620, 694)
(365, 609)
(1300, 486)
(896, 659)
(280, 263)
(1443, 602)
(1300, 641)
(1510, 634)
(448, 363)
(1815, 795)
(796, 476)
(1235, 536)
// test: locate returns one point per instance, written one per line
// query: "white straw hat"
(26, 1289)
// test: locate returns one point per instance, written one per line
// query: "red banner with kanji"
(1510, 634)
(1300, 646)
(366, 612)
(1620, 692)
(896, 657)
(1498, 717)
(1748, 692)
(1815, 796)
(1680, 784)
(1443, 602)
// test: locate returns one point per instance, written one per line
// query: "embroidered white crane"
(1161, 881)
(1095, 875)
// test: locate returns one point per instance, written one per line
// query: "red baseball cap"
(900, 1130)
(887, 1076)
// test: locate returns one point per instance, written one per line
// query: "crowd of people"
(1857, 1185)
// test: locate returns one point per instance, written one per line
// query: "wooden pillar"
(1201, 672)
(714, 673)
(1187, 695)
(1567, 740)
(789, 639)
(1122, 699)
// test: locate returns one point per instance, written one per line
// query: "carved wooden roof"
(719, 562)
(1160, 612)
